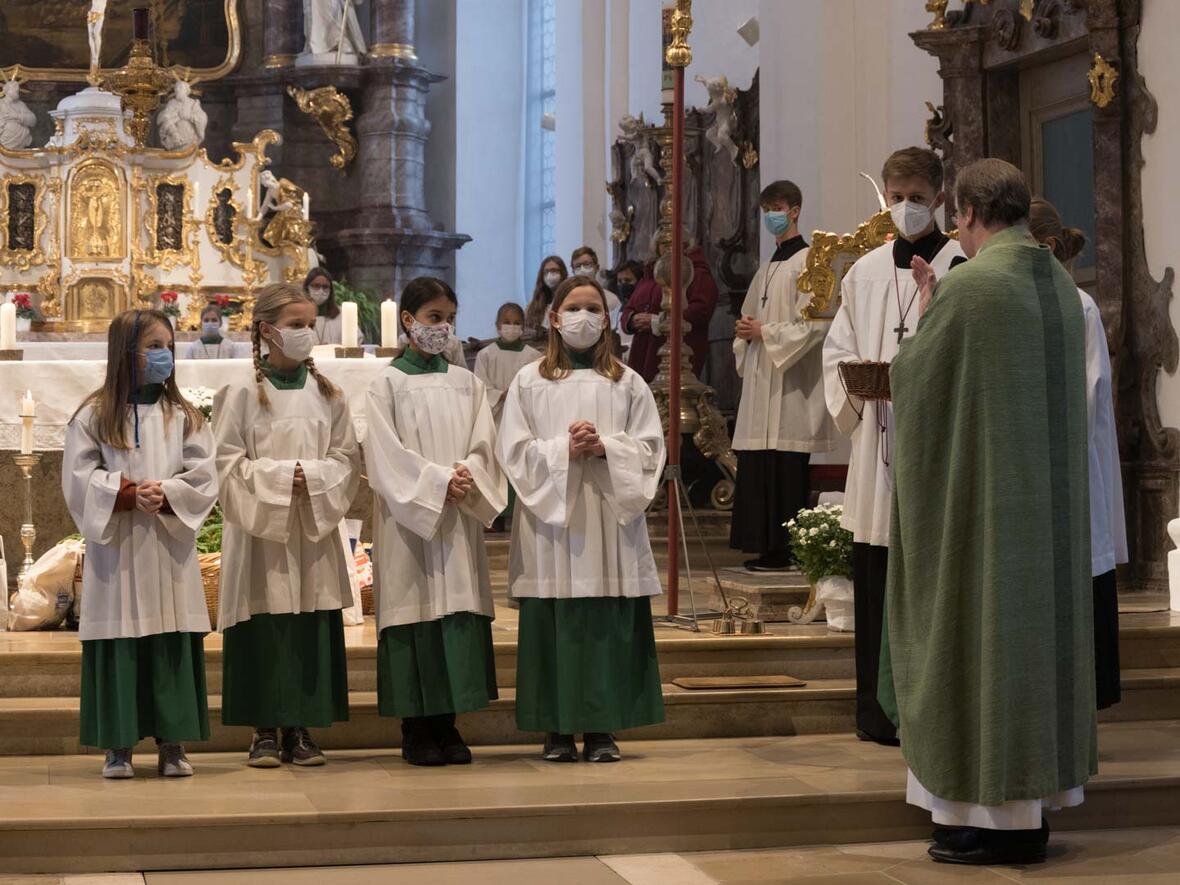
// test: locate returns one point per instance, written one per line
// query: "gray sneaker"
(264, 749)
(118, 765)
(300, 749)
(173, 762)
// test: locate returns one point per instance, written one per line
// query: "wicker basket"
(868, 380)
(211, 578)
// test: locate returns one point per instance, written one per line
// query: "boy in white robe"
(139, 480)
(782, 416)
(430, 452)
(582, 444)
(290, 466)
(878, 310)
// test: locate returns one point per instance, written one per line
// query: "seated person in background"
(212, 345)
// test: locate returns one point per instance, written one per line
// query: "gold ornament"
(333, 111)
(938, 9)
(141, 83)
(96, 213)
(1102, 76)
(679, 53)
(831, 255)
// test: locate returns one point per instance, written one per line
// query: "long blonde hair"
(268, 307)
(556, 364)
(111, 401)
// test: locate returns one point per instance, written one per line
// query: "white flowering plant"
(201, 399)
(821, 546)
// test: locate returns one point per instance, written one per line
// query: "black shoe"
(450, 743)
(560, 748)
(883, 741)
(300, 749)
(418, 745)
(955, 838)
(264, 749)
(995, 848)
(771, 562)
(600, 747)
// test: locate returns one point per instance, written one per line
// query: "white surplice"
(141, 574)
(496, 368)
(865, 329)
(225, 349)
(580, 529)
(282, 553)
(782, 406)
(429, 559)
(1108, 523)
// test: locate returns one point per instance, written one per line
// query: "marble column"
(282, 37)
(392, 29)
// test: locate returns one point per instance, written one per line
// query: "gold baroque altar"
(91, 224)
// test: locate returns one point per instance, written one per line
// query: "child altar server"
(139, 480)
(212, 345)
(581, 442)
(430, 453)
(290, 466)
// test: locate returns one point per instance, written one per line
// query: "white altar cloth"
(59, 387)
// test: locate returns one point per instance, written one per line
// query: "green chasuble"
(989, 608)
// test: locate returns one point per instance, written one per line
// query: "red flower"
(221, 300)
(22, 300)
(168, 297)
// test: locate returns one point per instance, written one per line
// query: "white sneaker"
(118, 765)
(173, 762)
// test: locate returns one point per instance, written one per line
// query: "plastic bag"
(44, 599)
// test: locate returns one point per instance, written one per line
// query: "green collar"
(294, 379)
(581, 359)
(413, 363)
(515, 346)
(216, 340)
(147, 395)
(1016, 235)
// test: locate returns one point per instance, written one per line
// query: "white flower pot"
(836, 595)
(24, 324)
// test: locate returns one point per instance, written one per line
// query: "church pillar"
(392, 29)
(282, 36)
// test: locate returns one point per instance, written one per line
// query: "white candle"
(389, 324)
(250, 201)
(306, 206)
(7, 327)
(196, 199)
(28, 411)
(348, 324)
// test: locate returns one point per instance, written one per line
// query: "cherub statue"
(721, 98)
(288, 227)
(182, 120)
(16, 120)
(643, 160)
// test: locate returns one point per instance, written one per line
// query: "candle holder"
(350, 353)
(28, 531)
(11, 356)
(385, 353)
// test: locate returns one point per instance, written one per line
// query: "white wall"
(1161, 176)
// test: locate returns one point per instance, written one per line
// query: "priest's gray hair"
(996, 190)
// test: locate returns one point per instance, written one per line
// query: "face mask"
(431, 339)
(580, 329)
(586, 270)
(319, 294)
(625, 290)
(159, 366)
(911, 218)
(511, 333)
(211, 329)
(296, 344)
(552, 278)
(777, 223)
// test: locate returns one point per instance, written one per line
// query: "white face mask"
(552, 278)
(319, 294)
(295, 344)
(511, 333)
(586, 270)
(911, 218)
(580, 329)
(431, 339)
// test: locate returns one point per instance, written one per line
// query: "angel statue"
(182, 120)
(288, 227)
(643, 160)
(721, 98)
(16, 120)
(332, 30)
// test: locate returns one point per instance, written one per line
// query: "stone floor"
(1109, 857)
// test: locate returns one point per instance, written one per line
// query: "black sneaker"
(300, 749)
(450, 743)
(600, 747)
(264, 749)
(419, 746)
(560, 748)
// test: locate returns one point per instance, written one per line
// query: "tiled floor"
(1104, 857)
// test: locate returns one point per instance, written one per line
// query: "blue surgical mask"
(777, 223)
(159, 366)
(211, 329)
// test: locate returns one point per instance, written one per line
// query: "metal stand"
(28, 531)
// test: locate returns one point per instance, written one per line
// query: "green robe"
(989, 664)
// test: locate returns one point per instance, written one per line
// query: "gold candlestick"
(28, 531)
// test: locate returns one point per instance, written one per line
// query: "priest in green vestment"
(988, 666)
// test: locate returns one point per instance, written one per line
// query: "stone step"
(49, 726)
(369, 807)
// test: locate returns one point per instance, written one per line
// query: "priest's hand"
(299, 486)
(460, 485)
(149, 497)
(749, 329)
(926, 279)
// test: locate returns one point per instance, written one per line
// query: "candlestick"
(306, 207)
(388, 324)
(348, 325)
(7, 327)
(28, 532)
(28, 411)
(139, 23)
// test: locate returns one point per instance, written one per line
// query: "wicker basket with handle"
(211, 579)
(868, 380)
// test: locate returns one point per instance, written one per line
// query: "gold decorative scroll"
(238, 252)
(829, 258)
(165, 258)
(333, 111)
(938, 9)
(96, 213)
(23, 259)
(1103, 77)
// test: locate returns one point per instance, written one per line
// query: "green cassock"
(988, 666)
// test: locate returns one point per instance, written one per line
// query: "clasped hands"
(460, 485)
(584, 441)
(748, 328)
(149, 496)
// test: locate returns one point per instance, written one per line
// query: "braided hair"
(268, 307)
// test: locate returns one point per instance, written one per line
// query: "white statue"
(643, 161)
(16, 120)
(332, 29)
(720, 133)
(182, 120)
(94, 23)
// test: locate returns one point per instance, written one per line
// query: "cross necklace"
(901, 328)
(769, 280)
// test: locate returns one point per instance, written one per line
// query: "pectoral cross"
(901, 329)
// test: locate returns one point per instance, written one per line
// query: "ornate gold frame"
(819, 277)
(106, 273)
(193, 75)
(23, 259)
(1103, 76)
(166, 259)
(121, 192)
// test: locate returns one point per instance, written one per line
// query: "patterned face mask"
(431, 339)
